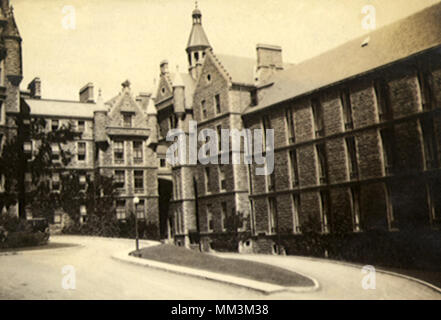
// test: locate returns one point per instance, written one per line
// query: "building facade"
(356, 137)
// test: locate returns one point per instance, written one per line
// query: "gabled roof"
(241, 69)
(60, 108)
(399, 40)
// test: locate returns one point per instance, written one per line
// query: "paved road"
(38, 275)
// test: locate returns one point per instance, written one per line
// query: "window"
(383, 103)
(172, 122)
(425, 81)
(196, 56)
(55, 124)
(82, 180)
(81, 126)
(137, 151)
(162, 163)
(1, 105)
(317, 113)
(55, 181)
(120, 209)
(355, 208)
(208, 77)
(433, 189)
(294, 168)
(140, 209)
(322, 163)
(81, 151)
(272, 206)
(254, 97)
(266, 125)
(118, 148)
(207, 179)
(387, 141)
(389, 208)
(127, 120)
(290, 125)
(324, 211)
(224, 215)
(222, 181)
(430, 145)
(28, 182)
(55, 152)
(219, 137)
(217, 103)
(27, 148)
(210, 222)
(120, 178)
(352, 157)
(139, 180)
(347, 109)
(204, 109)
(270, 180)
(296, 213)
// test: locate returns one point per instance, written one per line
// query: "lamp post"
(136, 201)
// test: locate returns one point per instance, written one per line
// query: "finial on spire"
(196, 4)
(126, 84)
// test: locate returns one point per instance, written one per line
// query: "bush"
(25, 239)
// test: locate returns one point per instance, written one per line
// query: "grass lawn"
(234, 267)
(46, 246)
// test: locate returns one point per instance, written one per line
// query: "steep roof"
(60, 108)
(197, 38)
(240, 69)
(399, 40)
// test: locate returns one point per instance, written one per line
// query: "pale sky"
(115, 40)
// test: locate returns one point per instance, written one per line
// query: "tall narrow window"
(27, 148)
(172, 122)
(270, 180)
(294, 168)
(207, 179)
(433, 190)
(347, 109)
(296, 213)
(120, 178)
(352, 157)
(217, 104)
(140, 209)
(355, 208)
(139, 180)
(118, 149)
(290, 125)
(219, 138)
(81, 125)
(322, 163)
(222, 180)
(127, 120)
(83, 180)
(55, 181)
(1, 111)
(324, 210)
(55, 124)
(389, 208)
(81, 151)
(383, 100)
(210, 222)
(223, 215)
(137, 152)
(425, 81)
(429, 142)
(387, 141)
(317, 112)
(266, 125)
(120, 209)
(272, 207)
(55, 152)
(204, 109)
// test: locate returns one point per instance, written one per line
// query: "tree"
(19, 159)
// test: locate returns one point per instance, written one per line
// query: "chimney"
(269, 61)
(143, 99)
(34, 88)
(164, 67)
(86, 93)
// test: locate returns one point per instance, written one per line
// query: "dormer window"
(127, 120)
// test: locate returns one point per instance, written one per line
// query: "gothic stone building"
(357, 136)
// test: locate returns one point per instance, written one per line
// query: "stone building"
(357, 139)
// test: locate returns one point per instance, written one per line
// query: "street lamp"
(136, 201)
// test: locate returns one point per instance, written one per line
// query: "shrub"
(25, 239)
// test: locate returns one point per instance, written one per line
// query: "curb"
(262, 287)
(390, 273)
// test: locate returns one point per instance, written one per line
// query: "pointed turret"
(100, 120)
(197, 44)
